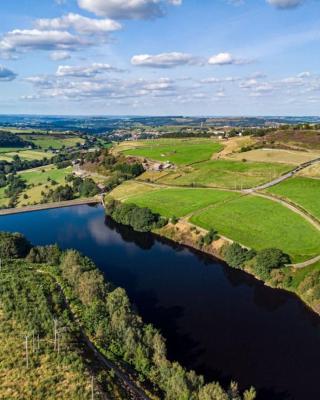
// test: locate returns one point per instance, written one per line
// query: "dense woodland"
(8, 139)
(105, 313)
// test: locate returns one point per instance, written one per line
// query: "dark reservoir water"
(218, 321)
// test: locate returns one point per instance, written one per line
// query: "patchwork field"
(276, 156)
(177, 151)
(180, 202)
(225, 174)
(303, 191)
(260, 223)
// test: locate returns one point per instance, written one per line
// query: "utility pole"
(27, 353)
(55, 334)
(33, 344)
(58, 343)
(92, 388)
(38, 347)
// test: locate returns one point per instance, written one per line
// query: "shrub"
(269, 259)
(174, 220)
(235, 255)
(210, 237)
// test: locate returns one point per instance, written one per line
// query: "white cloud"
(79, 23)
(285, 4)
(34, 39)
(164, 60)
(128, 9)
(6, 74)
(59, 55)
(83, 72)
(226, 59)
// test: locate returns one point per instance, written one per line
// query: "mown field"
(180, 202)
(260, 223)
(177, 151)
(303, 191)
(225, 174)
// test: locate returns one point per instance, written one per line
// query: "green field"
(27, 155)
(37, 181)
(4, 150)
(260, 223)
(225, 174)
(180, 202)
(303, 191)
(177, 151)
(54, 142)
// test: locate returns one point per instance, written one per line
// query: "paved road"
(283, 177)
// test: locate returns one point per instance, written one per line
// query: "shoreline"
(49, 206)
(216, 254)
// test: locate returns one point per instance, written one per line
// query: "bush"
(235, 255)
(13, 245)
(174, 220)
(210, 237)
(269, 259)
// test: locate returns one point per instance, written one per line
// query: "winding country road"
(283, 177)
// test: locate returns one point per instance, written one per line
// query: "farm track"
(284, 177)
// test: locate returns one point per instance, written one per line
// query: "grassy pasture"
(38, 180)
(177, 151)
(4, 150)
(226, 174)
(276, 156)
(180, 202)
(53, 142)
(28, 155)
(303, 191)
(260, 223)
(130, 188)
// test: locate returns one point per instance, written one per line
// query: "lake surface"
(218, 321)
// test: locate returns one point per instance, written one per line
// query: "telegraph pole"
(27, 353)
(92, 388)
(55, 334)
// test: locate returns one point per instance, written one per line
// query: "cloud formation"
(34, 39)
(6, 74)
(226, 59)
(163, 60)
(128, 9)
(79, 23)
(83, 72)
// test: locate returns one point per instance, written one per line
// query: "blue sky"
(160, 57)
